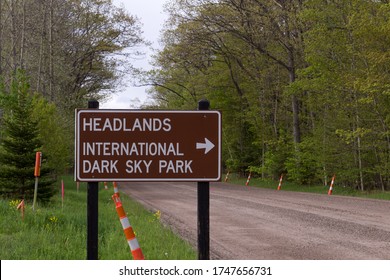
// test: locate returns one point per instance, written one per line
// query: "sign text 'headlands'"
(125, 145)
(126, 125)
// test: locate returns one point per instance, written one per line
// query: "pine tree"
(19, 144)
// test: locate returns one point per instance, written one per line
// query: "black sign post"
(128, 145)
(203, 208)
(92, 209)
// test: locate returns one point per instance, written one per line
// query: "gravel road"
(252, 223)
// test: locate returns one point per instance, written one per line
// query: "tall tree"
(19, 144)
(234, 35)
(72, 50)
(342, 80)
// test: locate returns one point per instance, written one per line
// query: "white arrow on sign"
(208, 146)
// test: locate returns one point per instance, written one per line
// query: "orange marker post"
(227, 176)
(21, 207)
(249, 178)
(280, 182)
(116, 191)
(330, 192)
(128, 230)
(37, 173)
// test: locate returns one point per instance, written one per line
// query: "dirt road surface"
(252, 223)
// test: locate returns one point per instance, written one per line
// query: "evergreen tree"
(19, 143)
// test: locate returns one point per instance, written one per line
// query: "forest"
(55, 55)
(303, 85)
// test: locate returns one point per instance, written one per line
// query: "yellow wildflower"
(157, 215)
(14, 203)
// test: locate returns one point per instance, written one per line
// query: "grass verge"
(55, 233)
(289, 186)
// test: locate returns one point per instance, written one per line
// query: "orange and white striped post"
(280, 182)
(330, 192)
(116, 191)
(128, 230)
(249, 178)
(227, 176)
(37, 174)
(21, 207)
(105, 185)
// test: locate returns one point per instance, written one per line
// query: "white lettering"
(120, 124)
(107, 149)
(107, 125)
(175, 166)
(117, 124)
(136, 166)
(86, 166)
(147, 165)
(88, 149)
(115, 149)
(96, 123)
(137, 125)
(141, 150)
(167, 125)
(87, 124)
(103, 166)
(91, 124)
(132, 149)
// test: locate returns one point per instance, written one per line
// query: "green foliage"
(19, 143)
(305, 167)
(303, 85)
(53, 134)
(56, 233)
(71, 50)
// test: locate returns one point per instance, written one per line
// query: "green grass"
(289, 186)
(51, 232)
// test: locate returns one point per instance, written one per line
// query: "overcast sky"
(152, 17)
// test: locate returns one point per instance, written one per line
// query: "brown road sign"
(131, 145)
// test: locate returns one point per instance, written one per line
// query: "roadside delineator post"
(280, 182)
(128, 230)
(116, 191)
(249, 178)
(105, 185)
(37, 173)
(330, 192)
(227, 176)
(21, 207)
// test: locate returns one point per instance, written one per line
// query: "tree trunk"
(23, 35)
(360, 163)
(41, 48)
(264, 146)
(295, 109)
(13, 37)
(1, 37)
(359, 148)
(51, 74)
